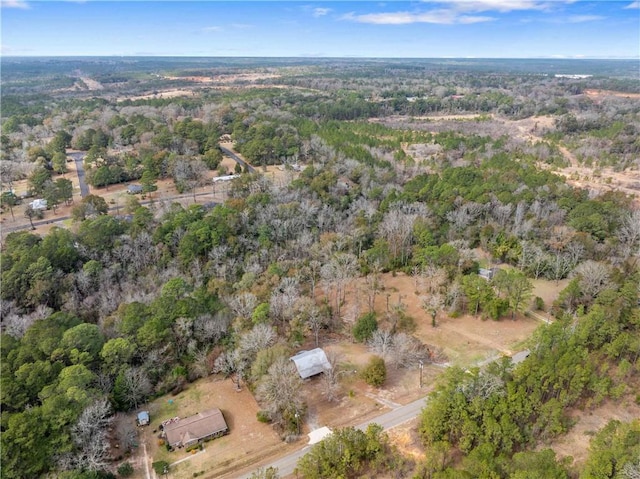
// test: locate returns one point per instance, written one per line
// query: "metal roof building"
(143, 418)
(310, 363)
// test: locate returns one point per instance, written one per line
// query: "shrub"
(406, 324)
(160, 467)
(193, 448)
(263, 416)
(364, 327)
(375, 372)
(538, 303)
(125, 470)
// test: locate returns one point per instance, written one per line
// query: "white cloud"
(9, 50)
(584, 18)
(450, 12)
(14, 4)
(633, 5)
(320, 12)
(213, 28)
(492, 5)
(502, 6)
(441, 16)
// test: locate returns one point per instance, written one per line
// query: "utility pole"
(421, 366)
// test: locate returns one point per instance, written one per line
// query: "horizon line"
(311, 57)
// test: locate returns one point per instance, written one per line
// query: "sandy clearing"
(604, 93)
(173, 93)
(247, 436)
(575, 443)
(225, 78)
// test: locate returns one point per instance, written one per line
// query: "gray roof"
(310, 363)
(143, 417)
(193, 428)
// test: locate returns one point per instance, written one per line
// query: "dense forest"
(110, 311)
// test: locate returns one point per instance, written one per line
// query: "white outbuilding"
(310, 363)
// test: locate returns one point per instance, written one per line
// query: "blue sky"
(427, 28)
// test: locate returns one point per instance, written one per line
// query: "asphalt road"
(62, 219)
(79, 159)
(287, 464)
(237, 159)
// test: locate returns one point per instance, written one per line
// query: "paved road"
(236, 158)
(79, 159)
(62, 219)
(287, 464)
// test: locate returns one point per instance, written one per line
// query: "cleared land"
(248, 438)
(465, 340)
(575, 443)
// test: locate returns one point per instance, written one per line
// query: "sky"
(299, 28)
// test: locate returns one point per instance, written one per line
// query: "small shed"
(190, 430)
(134, 189)
(143, 418)
(488, 273)
(310, 363)
(38, 204)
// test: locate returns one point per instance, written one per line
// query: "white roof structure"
(39, 204)
(318, 435)
(310, 363)
(217, 179)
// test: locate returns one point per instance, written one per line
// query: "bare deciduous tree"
(230, 363)
(202, 365)
(283, 299)
(401, 350)
(280, 391)
(136, 386)
(432, 304)
(407, 351)
(260, 337)
(338, 272)
(629, 235)
(631, 470)
(381, 342)
(330, 385)
(243, 304)
(90, 436)
(594, 278)
(209, 328)
(190, 174)
(373, 284)
(315, 321)
(125, 432)
(397, 228)
(533, 259)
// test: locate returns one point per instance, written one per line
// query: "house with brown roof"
(191, 430)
